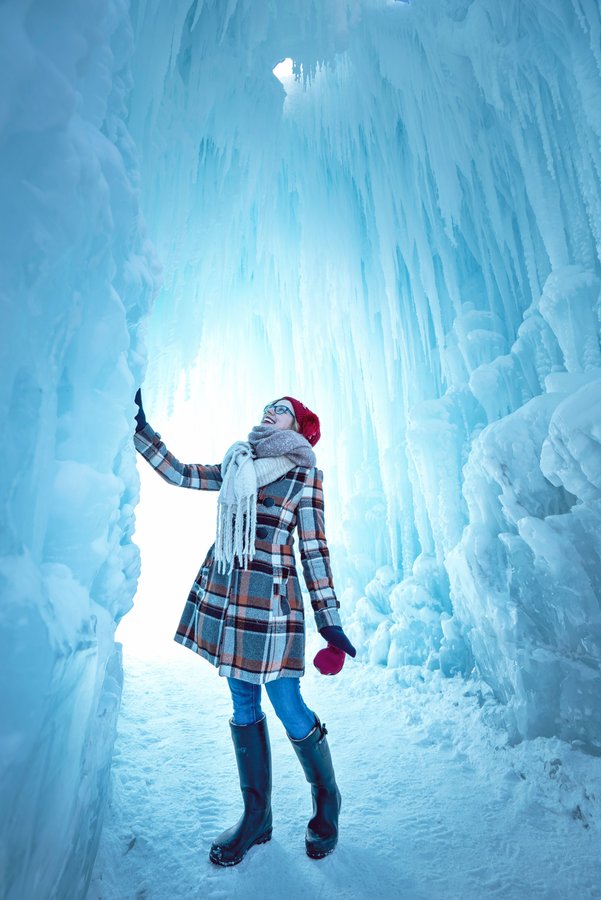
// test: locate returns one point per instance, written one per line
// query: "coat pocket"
(280, 606)
(202, 579)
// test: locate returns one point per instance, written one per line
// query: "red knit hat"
(308, 422)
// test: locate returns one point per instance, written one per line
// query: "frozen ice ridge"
(76, 280)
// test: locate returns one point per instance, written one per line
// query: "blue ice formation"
(402, 208)
(76, 279)
(402, 226)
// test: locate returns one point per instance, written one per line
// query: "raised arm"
(315, 556)
(190, 475)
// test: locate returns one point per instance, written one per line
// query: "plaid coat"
(250, 623)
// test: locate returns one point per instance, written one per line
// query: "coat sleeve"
(203, 478)
(314, 551)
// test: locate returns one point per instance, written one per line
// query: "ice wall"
(75, 282)
(402, 225)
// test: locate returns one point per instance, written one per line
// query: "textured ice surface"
(74, 285)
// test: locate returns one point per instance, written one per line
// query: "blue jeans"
(285, 696)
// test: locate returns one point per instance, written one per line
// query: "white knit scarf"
(268, 454)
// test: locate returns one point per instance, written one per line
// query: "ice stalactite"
(396, 210)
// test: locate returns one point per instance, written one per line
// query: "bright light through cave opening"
(284, 72)
(175, 527)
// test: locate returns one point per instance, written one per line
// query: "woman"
(245, 612)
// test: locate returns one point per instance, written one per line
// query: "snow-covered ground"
(435, 803)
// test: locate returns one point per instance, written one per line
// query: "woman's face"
(280, 414)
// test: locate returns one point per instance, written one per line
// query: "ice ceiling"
(391, 211)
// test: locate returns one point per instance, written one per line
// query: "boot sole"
(266, 836)
(319, 854)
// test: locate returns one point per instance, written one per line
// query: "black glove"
(140, 417)
(335, 636)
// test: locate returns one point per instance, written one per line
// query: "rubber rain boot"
(313, 752)
(253, 758)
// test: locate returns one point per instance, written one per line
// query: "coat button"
(261, 532)
(268, 501)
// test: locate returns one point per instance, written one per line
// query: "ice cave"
(391, 210)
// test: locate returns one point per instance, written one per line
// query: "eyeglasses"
(279, 409)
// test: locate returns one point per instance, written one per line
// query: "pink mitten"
(330, 660)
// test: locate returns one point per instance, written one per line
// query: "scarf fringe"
(235, 537)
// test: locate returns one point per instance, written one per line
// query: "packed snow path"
(435, 804)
